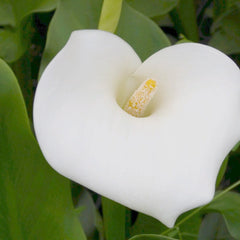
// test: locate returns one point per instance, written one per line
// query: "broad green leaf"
(70, 15)
(226, 31)
(229, 206)
(140, 32)
(153, 8)
(15, 25)
(185, 20)
(214, 227)
(35, 201)
(114, 216)
(110, 14)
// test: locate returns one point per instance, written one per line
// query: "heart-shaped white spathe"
(163, 164)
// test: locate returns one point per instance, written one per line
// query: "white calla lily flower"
(162, 163)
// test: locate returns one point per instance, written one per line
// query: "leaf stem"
(151, 236)
(199, 209)
(110, 15)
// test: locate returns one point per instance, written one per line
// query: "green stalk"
(110, 15)
(114, 217)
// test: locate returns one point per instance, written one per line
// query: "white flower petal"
(163, 164)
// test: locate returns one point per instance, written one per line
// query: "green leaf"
(235, 148)
(12, 12)
(214, 227)
(229, 206)
(6, 13)
(140, 32)
(226, 31)
(70, 15)
(189, 229)
(146, 225)
(14, 41)
(185, 20)
(222, 6)
(219, 7)
(152, 237)
(114, 216)
(153, 8)
(89, 217)
(35, 201)
(110, 14)
(222, 171)
(15, 25)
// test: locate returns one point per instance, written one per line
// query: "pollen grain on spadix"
(138, 102)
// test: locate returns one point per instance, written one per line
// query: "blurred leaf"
(140, 32)
(185, 19)
(226, 31)
(110, 14)
(219, 7)
(222, 171)
(146, 225)
(214, 227)
(12, 12)
(222, 6)
(89, 217)
(6, 13)
(229, 206)
(35, 201)
(153, 8)
(14, 41)
(70, 15)
(15, 27)
(114, 216)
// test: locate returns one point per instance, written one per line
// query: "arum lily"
(150, 135)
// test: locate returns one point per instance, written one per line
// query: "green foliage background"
(35, 201)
